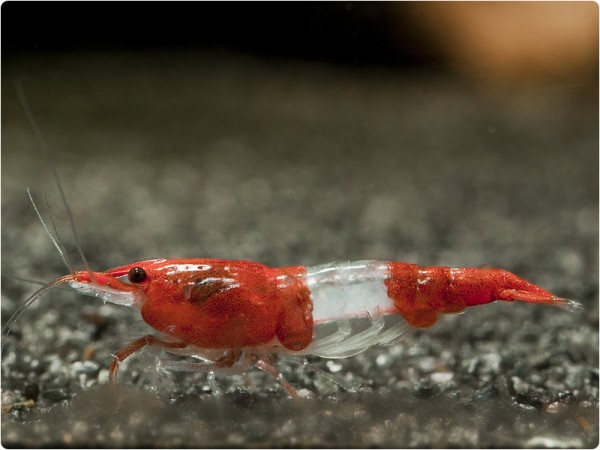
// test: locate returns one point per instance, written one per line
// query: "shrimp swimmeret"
(235, 314)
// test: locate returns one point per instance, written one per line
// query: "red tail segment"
(422, 293)
(480, 286)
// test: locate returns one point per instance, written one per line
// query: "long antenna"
(27, 303)
(61, 250)
(57, 234)
(42, 143)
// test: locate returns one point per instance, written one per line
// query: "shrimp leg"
(125, 352)
(271, 370)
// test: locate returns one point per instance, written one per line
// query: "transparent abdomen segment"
(351, 308)
(347, 290)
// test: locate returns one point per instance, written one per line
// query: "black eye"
(137, 275)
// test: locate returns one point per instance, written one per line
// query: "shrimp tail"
(511, 295)
(480, 286)
(421, 294)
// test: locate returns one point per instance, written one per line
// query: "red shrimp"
(228, 312)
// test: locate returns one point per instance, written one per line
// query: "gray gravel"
(210, 155)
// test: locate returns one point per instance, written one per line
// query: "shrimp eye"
(137, 275)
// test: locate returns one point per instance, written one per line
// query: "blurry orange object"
(516, 43)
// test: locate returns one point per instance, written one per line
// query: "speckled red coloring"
(480, 286)
(246, 308)
(422, 293)
(218, 303)
(295, 330)
(214, 303)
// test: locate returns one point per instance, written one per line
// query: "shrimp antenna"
(32, 281)
(56, 241)
(44, 148)
(57, 234)
(27, 303)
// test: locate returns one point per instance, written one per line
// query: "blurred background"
(489, 43)
(461, 134)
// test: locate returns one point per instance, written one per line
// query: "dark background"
(452, 134)
(344, 33)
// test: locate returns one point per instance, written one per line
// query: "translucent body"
(337, 287)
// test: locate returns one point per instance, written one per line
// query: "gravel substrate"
(198, 155)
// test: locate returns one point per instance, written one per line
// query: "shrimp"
(233, 314)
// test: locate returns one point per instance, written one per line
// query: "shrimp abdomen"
(421, 294)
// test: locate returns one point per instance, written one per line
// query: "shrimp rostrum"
(231, 315)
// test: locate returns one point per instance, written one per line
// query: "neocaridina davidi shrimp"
(230, 314)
